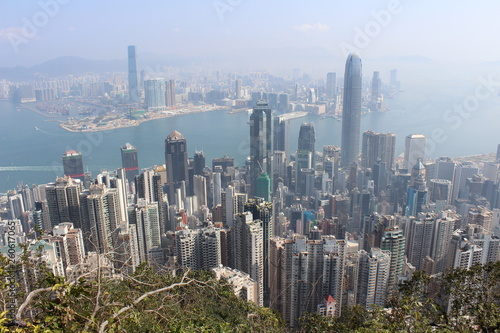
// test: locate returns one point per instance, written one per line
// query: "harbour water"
(31, 145)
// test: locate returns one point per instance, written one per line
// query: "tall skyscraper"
(351, 114)
(198, 249)
(281, 131)
(374, 271)
(170, 93)
(237, 88)
(73, 165)
(414, 149)
(331, 85)
(376, 86)
(199, 162)
(154, 90)
(419, 237)
(272, 100)
(263, 211)
(445, 169)
(63, 201)
(377, 146)
(176, 162)
(307, 138)
(303, 272)
(129, 161)
(133, 87)
(462, 172)
(101, 215)
(395, 242)
(248, 249)
(260, 143)
(283, 103)
(263, 187)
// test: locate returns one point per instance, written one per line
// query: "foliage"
(459, 301)
(146, 301)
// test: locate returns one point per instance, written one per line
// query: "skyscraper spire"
(351, 114)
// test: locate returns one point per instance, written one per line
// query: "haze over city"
(249, 166)
(253, 34)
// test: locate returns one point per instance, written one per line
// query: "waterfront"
(31, 147)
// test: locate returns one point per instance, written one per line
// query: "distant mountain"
(248, 59)
(71, 65)
(62, 66)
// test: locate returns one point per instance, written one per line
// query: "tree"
(146, 301)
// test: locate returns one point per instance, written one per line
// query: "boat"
(36, 128)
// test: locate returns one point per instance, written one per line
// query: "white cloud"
(315, 27)
(7, 33)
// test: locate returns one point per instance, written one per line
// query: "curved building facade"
(351, 114)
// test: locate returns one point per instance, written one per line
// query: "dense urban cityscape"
(314, 230)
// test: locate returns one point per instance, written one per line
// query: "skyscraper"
(351, 114)
(237, 88)
(129, 161)
(307, 138)
(303, 272)
(199, 162)
(248, 249)
(376, 85)
(260, 143)
(170, 93)
(176, 162)
(463, 171)
(331, 85)
(133, 87)
(374, 270)
(263, 184)
(73, 165)
(281, 130)
(283, 103)
(414, 149)
(394, 241)
(154, 90)
(63, 201)
(378, 146)
(263, 211)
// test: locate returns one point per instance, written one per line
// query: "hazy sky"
(445, 31)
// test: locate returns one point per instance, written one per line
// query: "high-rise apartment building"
(170, 93)
(373, 277)
(378, 146)
(394, 241)
(198, 249)
(63, 201)
(154, 93)
(248, 249)
(101, 216)
(331, 85)
(303, 272)
(263, 211)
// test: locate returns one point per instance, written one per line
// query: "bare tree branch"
(153, 292)
(28, 299)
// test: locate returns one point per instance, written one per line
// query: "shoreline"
(118, 123)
